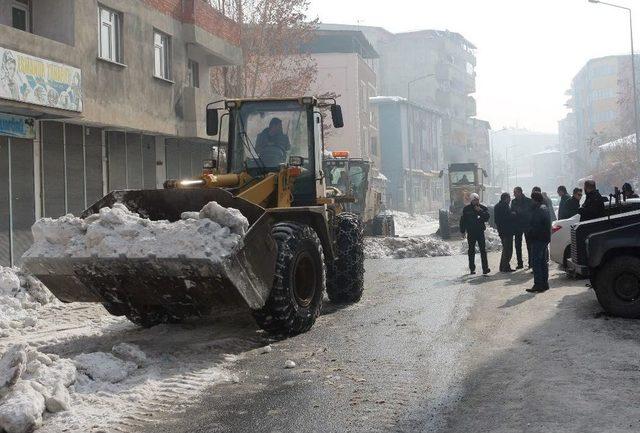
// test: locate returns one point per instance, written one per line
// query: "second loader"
(299, 242)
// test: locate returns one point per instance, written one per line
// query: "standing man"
(505, 221)
(573, 204)
(474, 216)
(540, 236)
(521, 208)
(627, 191)
(593, 206)
(564, 198)
(547, 202)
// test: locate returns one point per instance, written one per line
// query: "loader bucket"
(183, 286)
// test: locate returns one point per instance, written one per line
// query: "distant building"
(97, 96)
(435, 68)
(572, 159)
(412, 154)
(595, 96)
(344, 61)
(519, 150)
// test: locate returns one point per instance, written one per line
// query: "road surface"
(430, 349)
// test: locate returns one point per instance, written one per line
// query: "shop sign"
(17, 126)
(29, 79)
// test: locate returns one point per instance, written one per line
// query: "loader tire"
(617, 286)
(299, 283)
(345, 277)
(391, 226)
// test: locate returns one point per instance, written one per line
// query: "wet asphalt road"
(385, 364)
(430, 349)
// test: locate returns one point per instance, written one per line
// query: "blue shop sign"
(17, 126)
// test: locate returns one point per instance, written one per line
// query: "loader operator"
(273, 145)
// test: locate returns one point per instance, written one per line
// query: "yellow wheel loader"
(299, 243)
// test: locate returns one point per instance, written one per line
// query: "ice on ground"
(130, 352)
(289, 364)
(414, 225)
(116, 231)
(32, 382)
(104, 367)
(21, 410)
(20, 296)
(403, 248)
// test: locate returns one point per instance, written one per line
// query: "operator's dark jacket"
(472, 221)
(540, 228)
(522, 208)
(505, 220)
(593, 206)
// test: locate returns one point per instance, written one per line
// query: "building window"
(110, 35)
(21, 16)
(374, 146)
(193, 73)
(162, 55)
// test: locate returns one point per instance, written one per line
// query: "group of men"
(531, 218)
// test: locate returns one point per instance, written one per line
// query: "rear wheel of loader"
(444, 224)
(391, 226)
(345, 277)
(295, 300)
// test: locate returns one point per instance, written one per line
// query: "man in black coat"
(593, 206)
(521, 207)
(472, 222)
(539, 236)
(505, 221)
(564, 198)
(573, 204)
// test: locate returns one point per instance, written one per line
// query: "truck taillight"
(556, 228)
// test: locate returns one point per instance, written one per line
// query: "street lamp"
(633, 72)
(409, 141)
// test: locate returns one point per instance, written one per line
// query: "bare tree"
(272, 34)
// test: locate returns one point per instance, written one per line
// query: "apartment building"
(344, 67)
(411, 140)
(97, 96)
(595, 103)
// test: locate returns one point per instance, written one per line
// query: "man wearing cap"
(273, 145)
(472, 222)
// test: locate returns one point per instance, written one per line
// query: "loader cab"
(350, 176)
(264, 134)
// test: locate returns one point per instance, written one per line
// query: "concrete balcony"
(207, 30)
(471, 107)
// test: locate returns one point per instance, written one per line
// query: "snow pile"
(492, 242)
(212, 233)
(20, 296)
(32, 383)
(403, 248)
(414, 225)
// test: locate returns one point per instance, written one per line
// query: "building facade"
(344, 68)
(411, 140)
(597, 96)
(101, 96)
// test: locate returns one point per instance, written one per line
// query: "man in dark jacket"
(563, 213)
(540, 236)
(593, 206)
(505, 221)
(272, 145)
(521, 207)
(546, 201)
(573, 204)
(627, 191)
(472, 222)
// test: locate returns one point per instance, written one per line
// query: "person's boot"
(520, 266)
(486, 272)
(534, 289)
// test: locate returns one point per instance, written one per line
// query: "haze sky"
(528, 50)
